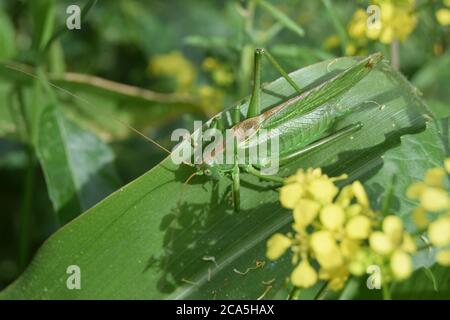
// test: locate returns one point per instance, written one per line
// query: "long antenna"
(88, 104)
(183, 188)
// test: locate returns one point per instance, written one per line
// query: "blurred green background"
(192, 59)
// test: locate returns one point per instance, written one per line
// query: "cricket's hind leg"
(254, 108)
(348, 130)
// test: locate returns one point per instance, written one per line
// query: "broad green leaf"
(160, 238)
(77, 165)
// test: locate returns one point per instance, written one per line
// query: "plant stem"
(322, 291)
(395, 58)
(294, 294)
(246, 58)
(386, 292)
(337, 24)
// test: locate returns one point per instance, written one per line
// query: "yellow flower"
(434, 177)
(443, 258)
(305, 212)
(210, 64)
(443, 16)
(397, 21)
(358, 227)
(393, 228)
(419, 216)
(304, 276)
(277, 246)
(175, 65)
(336, 277)
(210, 97)
(334, 227)
(401, 265)
(357, 26)
(350, 49)
(332, 217)
(323, 189)
(331, 259)
(332, 42)
(322, 242)
(408, 244)
(349, 247)
(439, 231)
(447, 162)
(431, 194)
(434, 199)
(290, 195)
(360, 193)
(380, 243)
(326, 250)
(415, 190)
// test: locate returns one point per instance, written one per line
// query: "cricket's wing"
(319, 95)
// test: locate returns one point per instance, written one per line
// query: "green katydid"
(302, 122)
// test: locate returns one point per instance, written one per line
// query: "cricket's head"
(208, 170)
(373, 60)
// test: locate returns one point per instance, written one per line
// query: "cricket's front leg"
(254, 108)
(236, 188)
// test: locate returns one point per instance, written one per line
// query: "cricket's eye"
(208, 172)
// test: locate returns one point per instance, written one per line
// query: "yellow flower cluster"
(210, 98)
(443, 14)
(220, 73)
(336, 233)
(329, 227)
(397, 21)
(434, 201)
(176, 66)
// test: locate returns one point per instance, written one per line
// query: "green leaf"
(420, 286)
(281, 17)
(408, 163)
(7, 41)
(77, 165)
(43, 13)
(100, 101)
(158, 237)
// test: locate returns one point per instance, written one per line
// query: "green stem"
(246, 58)
(395, 55)
(386, 292)
(294, 294)
(322, 291)
(337, 24)
(388, 197)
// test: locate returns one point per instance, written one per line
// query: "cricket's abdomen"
(299, 132)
